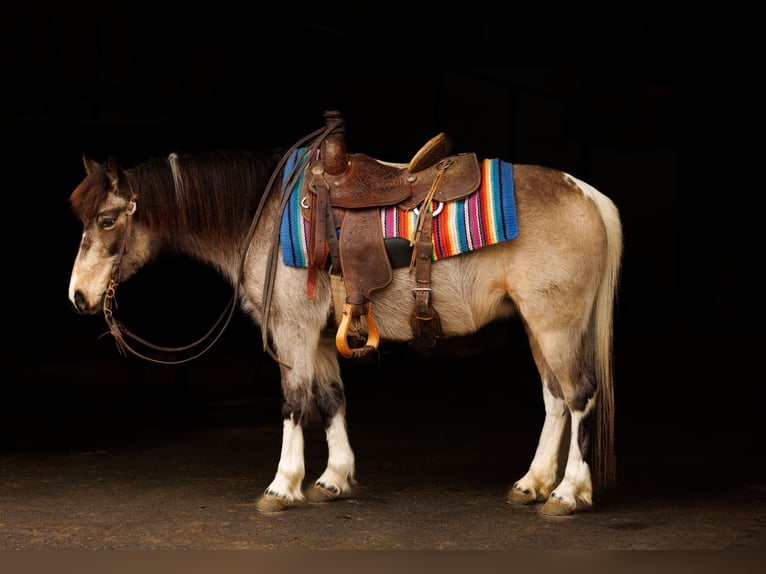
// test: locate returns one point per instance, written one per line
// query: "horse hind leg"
(566, 405)
(539, 481)
(338, 476)
(575, 491)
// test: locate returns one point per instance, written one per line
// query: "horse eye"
(107, 222)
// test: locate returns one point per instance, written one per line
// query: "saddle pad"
(485, 217)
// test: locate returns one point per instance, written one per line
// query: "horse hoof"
(521, 497)
(319, 493)
(270, 503)
(557, 507)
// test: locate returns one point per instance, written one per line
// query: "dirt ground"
(115, 455)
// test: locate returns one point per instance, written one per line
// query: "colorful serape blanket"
(485, 217)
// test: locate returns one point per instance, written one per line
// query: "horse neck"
(204, 207)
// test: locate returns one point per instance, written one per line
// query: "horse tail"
(601, 329)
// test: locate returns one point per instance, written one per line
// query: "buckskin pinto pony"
(558, 276)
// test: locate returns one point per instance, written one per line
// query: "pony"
(559, 276)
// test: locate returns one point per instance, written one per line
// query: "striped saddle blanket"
(486, 217)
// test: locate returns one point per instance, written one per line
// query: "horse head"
(114, 243)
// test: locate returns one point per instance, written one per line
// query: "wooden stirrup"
(341, 337)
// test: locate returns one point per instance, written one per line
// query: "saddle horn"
(333, 149)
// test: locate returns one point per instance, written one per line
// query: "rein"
(118, 330)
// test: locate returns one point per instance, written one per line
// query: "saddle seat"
(342, 196)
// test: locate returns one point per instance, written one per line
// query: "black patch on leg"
(584, 434)
(554, 387)
(295, 402)
(585, 388)
(329, 399)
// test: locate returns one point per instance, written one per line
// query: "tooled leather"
(369, 183)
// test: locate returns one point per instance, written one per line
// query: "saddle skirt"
(485, 217)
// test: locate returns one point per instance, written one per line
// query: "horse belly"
(468, 292)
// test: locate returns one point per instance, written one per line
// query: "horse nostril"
(80, 304)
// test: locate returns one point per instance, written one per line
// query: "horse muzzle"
(83, 306)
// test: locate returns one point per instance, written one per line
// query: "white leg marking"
(576, 489)
(541, 477)
(291, 469)
(340, 459)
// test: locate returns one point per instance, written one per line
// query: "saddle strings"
(426, 207)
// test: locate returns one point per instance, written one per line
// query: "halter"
(118, 330)
(109, 300)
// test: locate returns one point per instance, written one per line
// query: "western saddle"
(342, 196)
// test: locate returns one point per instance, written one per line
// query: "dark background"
(662, 113)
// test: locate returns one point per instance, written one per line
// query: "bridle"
(121, 333)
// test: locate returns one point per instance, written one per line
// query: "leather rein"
(121, 333)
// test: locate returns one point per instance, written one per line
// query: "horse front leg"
(286, 488)
(296, 368)
(338, 477)
(312, 377)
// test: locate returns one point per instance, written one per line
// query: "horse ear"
(113, 171)
(90, 165)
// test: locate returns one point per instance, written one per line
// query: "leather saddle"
(342, 196)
